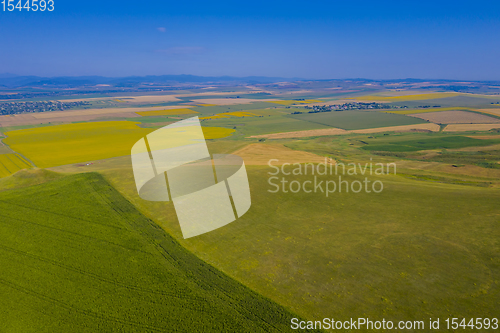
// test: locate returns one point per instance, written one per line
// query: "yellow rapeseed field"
(75, 143)
(72, 143)
(215, 116)
(307, 101)
(241, 114)
(216, 132)
(171, 112)
(235, 114)
(11, 163)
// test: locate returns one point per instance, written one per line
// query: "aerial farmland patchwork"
(430, 233)
(249, 167)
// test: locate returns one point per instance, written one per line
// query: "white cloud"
(161, 29)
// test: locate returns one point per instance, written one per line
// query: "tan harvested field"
(466, 170)
(150, 99)
(402, 92)
(483, 148)
(166, 112)
(369, 99)
(407, 96)
(211, 93)
(229, 101)
(155, 98)
(336, 102)
(455, 117)
(130, 99)
(260, 154)
(302, 134)
(337, 131)
(470, 127)
(296, 92)
(495, 112)
(73, 115)
(484, 137)
(403, 128)
(154, 108)
(27, 119)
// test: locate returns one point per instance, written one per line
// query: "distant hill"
(14, 81)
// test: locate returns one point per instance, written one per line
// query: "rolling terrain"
(77, 257)
(83, 252)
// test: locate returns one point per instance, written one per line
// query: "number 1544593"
(27, 5)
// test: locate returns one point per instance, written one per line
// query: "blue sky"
(307, 39)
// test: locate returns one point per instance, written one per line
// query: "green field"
(425, 110)
(152, 119)
(416, 250)
(276, 123)
(454, 101)
(352, 120)
(437, 142)
(80, 251)
(487, 159)
(208, 110)
(77, 257)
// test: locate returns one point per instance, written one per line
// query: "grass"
(438, 142)
(427, 246)
(77, 257)
(28, 177)
(11, 163)
(460, 100)
(81, 142)
(482, 156)
(352, 120)
(412, 111)
(5, 149)
(15, 128)
(152, 119)
(248, 126)
(416, 97)
(294, 102)
(170, 112)
(485, 159)
(209, 110)
(239, 114)
(419, 249)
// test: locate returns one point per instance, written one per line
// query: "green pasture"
(436, 142)
(418, 249)
(352, 119)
